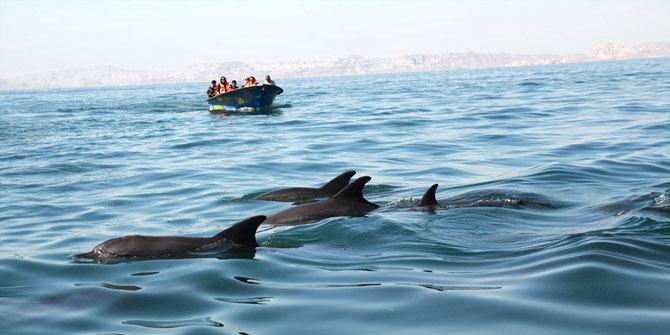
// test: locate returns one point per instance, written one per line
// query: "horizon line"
(202, 72)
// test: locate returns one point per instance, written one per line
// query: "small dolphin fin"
(429, 197)
(354, 191)
(338, 183)
(243, 232)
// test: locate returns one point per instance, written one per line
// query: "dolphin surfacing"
(429, 202)
(347, 202)
(296, 193)
(428, 199)
(240, 236)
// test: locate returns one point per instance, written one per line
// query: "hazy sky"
(40, 36)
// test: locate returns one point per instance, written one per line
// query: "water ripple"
(81, 166)
(205, 321)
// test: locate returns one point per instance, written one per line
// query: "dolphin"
(295, 193)
(635, 203)
(239, 237)
(660, 210)
(347, 202)
(428, 201)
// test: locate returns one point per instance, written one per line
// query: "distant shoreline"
(110, 76)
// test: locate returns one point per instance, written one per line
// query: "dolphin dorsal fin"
(243, 232)
(354, 191)
(429, 197)
(338, 183)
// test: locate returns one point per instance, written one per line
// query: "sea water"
(591, 141)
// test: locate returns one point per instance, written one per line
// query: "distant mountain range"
(352, 65)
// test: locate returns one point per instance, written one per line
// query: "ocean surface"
(589, 142)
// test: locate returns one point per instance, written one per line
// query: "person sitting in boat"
(253, 81)
(223, 85)
(247, 82)
(233, 85)
(269, 81)
(213, 90)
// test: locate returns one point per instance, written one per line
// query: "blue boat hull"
(252, 97)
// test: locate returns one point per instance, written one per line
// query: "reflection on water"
(205, 321)
(454, 287)
(145, 273)
(254, 300)
(114, 287)
(269, 110)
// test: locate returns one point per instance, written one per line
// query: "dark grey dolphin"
(636, 203)
(240, 236)
(660, 209)
(347, 202)
(428, 201)
(296, 193)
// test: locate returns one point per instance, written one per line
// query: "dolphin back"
(296, 193)
(354, 192)
(338, 183)
(429, 197)
(243, 232)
